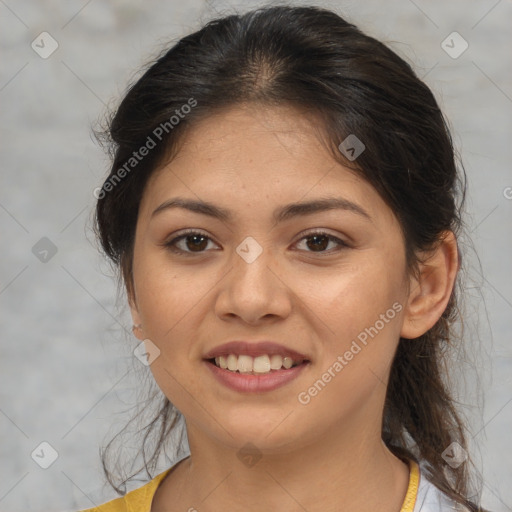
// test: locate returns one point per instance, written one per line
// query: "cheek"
(173, 304)
(167, 301)
(349, 298)
(362, 312)
(358, 310)
(165, 296)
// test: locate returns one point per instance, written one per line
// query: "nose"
(254, 290)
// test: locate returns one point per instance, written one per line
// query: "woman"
(284, 206)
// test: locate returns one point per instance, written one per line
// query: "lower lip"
(248, 383)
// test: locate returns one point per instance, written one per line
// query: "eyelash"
(171, 244)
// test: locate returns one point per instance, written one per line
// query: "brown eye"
(188, 243)
(319, 241)
(196, 242)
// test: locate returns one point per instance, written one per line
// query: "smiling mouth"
(259, 365)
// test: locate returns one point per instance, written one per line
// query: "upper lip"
(254, 349)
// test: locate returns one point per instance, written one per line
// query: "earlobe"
(137, 324)
(137, 331)
(431, 290)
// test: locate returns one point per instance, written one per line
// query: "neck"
(356, 471)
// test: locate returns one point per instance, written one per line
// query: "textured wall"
(67, 368)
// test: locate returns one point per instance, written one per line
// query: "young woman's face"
(259, 275)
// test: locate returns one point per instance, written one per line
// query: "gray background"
(67, 369)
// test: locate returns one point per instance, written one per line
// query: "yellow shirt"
(139, 500)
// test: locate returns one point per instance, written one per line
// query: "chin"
(269, 430)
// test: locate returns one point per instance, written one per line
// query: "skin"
(253, 160)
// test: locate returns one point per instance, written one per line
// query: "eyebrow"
(281, 214)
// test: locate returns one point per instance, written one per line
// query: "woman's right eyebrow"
(281, 214)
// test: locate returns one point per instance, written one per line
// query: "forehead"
(276, 140)
(250, 155)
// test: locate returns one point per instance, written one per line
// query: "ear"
(430, 292)
(134, 310)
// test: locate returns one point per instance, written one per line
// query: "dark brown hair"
(312, 59)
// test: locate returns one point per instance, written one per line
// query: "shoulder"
(431, 499)
(138, 500)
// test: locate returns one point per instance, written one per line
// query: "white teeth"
(276, 362)
(260, 365)
(232, 362)
(287, 362)
(244, 364)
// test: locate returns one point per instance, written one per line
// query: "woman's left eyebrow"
(281, 214)
(319, 205)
